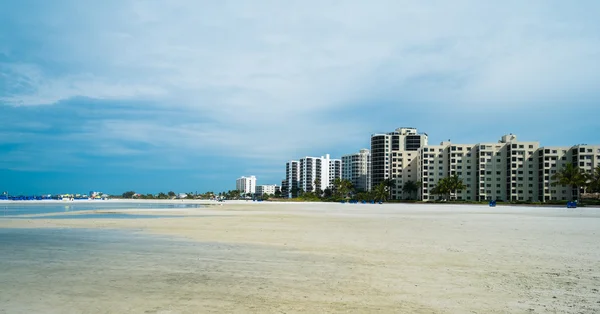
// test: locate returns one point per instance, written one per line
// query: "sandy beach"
(306, 257)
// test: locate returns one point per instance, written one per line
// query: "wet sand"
(302, 257)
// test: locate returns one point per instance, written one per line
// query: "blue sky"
(189, 95)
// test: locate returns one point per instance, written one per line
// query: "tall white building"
(357, 168)
(290, 185)
(318, 173)
(246, 185)
(394, 157)
(335, 170)
(310, 174)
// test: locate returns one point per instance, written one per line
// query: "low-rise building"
(268, 189)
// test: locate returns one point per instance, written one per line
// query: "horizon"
(152, 97)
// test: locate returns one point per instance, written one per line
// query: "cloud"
(278, 80)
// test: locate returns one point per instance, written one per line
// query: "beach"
(269, 257)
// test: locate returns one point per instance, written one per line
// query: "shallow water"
(97, 216)
(112, 271)
(10, 209)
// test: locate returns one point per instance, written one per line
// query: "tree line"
(578, 179)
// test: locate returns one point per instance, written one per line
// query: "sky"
(188, 95)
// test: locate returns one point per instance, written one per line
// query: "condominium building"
(435, 162)
(357, 168)
(311, 174)
(318, 173)
(292, 178)
(505, 170)
(551, 159)
(246, 185)
(394, 156)
(285, 190)
(509, 170)
(335, 171)
(268, 189)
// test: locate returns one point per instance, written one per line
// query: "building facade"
(246, 185)
(509, 170)
(292, 178)
(357, 169)
(311, 174)
(394, 157)
(268, 189)
(318, 173)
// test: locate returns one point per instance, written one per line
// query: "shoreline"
(249, 202)
(317, 257)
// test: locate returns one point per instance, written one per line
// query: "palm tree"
(441, 188)
(572, 176)
(389, 185)
(317, 188)
(345, 187)
(455, 184)
(337, 182)
(593, 181)
(380, 192)
(410, 187)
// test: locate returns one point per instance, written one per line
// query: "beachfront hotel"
(357, 169)
(507, 170)
(310, 174)
(394, 157)
(246, 185)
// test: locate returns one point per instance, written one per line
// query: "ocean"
(40, 208)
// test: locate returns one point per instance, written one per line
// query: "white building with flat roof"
(357, 169)
(268, 189)
(318, 173)
(292, 178)
(246, 185)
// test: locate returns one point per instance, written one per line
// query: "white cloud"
(265, 73)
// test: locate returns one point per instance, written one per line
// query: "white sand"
(301, 257)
